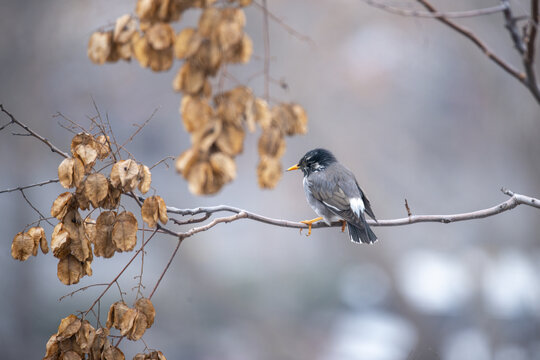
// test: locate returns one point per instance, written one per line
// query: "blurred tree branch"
(524, 43)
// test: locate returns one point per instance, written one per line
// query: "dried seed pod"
(204, 138)
(146, 307)
(124, 175)
(124, 29)
(195, 112)
(224, 166)
(154, 209)
(207, 58)
(241, 52)
(268, 172)
(100, 47)
(189, 80)
(160, 36)
(208, 21)
(103, 243)
(65, 172)
(61, 205)
(186, 43)
(185, 161)
(22, 246)
(145, 178)
(124, 232)
(272, 143)
(231, 140)
(96, 188)
(70, 270)
(60, 242)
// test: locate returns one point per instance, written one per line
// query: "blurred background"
(414, 109)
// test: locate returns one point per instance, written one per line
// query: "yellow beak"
(294, 167)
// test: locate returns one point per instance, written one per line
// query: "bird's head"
(314, 160)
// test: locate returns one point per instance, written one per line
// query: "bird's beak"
(294, 167)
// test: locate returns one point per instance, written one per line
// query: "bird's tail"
(361, 235)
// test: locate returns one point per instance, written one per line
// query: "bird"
(334, 194)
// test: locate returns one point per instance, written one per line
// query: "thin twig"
(120, 273)
(81, 289)
(266, 34)
(528, 57)
(33, 133)
(285, 26)
(479, 43)
(52, 181)
(446, 14)
(139, 128)
(163, 160)
(41, 216)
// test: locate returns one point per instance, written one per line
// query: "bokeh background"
(415, 110)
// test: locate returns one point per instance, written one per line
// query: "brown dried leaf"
(262, 114)
(61, 205)
(240, 53)
(146, 178)
(83, 146)
(78, 172)
(228, 34)
(154, 208)
(96, 188)
(189, 80)
(235, 15)
(195, 112)
(231, 140)
(112, 353)
(224, 165)
(70, 270)
(100, 46)
(268, 172)
(113, 198)
(185, 161)
(116, 315)
(51, 349)
(68, 327)
(89, 226)
(202, 180)
(147, 9)
(22, 246)
(141, 49)
(124, 174)
(85, 336)
(79, 245)
(186, 43)
(124, 29)
(38, 235)
(208, 21)
(161, 60)
(103, 243)
(138, 326)
(291, 118)
(102, 144)
(206, 136)
(235, 106)
(272, 143)
(146, 307)
(124, 233)
(100, 341)
(160, 36)
(60, 242)
(65, 172)
(207, 58)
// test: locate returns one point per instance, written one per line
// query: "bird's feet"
(309, 223)
(343, 224)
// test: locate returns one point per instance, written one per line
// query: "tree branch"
(430, 14)
(33, 133)
(30, 186)
(515, 200)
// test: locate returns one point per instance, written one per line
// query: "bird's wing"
(339, 192)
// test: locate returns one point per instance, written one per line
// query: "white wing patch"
(330, 206)
(357, 206)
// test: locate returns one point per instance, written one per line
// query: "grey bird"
(333, 193)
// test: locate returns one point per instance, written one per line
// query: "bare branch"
(33, 133)
(287, 27)
(446, 14)
(52, 181)
(515, 200)
(528, 57)
(41, 216)
(266, 34)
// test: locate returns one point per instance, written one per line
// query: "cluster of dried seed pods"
(218, 121)
(77, 339)
(111, 232)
